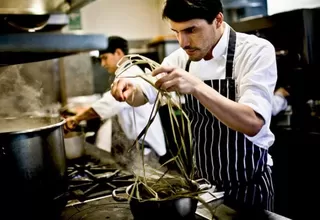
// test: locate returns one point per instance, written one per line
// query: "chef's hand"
(71, 123)
(282, 92)
(176, 79)
(122, 89)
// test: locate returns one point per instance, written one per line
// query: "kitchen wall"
(38, 86)
(278, 6)
(132, 19)
(164, 26)
(141, 19)
(78, 75)
(29, 87)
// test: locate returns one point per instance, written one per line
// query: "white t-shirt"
(254, 71)
(107, 107)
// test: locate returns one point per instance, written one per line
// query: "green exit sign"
(75, 21)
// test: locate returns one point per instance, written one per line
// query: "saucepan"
(180, 208)
(74, 143)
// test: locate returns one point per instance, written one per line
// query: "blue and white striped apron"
(226, 157)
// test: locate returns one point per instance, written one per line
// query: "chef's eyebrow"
(188, 29)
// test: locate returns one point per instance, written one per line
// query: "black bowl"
(178, 208)
(181, 208)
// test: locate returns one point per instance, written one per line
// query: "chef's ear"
(219, 20)
(119, 52)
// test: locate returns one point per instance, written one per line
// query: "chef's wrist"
(197, 89)
(282, 92)
(279, 94)
(76, 120)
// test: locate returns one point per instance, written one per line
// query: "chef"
(131, 120)
(228, 79)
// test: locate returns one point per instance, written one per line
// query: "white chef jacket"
(107, 107)
(255, 74)
(279, 104)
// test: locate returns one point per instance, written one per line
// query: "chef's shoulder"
(132, 71)
(177, 58)
(253, 47)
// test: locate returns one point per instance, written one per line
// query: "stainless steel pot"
(33, 167)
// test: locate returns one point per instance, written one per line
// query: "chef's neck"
(217, 37)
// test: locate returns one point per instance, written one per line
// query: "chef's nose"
(183, 40)
(102, 63)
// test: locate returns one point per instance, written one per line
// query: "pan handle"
(204, 184)
(118, 198)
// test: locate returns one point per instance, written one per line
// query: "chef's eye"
(190, 30)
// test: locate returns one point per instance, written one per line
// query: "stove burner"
(90, 181)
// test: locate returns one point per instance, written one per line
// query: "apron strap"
(188, 66)
(230, 55)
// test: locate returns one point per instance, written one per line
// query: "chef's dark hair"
(184, 10)
(115, 42)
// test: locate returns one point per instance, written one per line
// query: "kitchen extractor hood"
(40, 7)
(31, 47)
(35, 15)
(30, 30)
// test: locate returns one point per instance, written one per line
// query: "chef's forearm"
(237, 116)
(87, 115)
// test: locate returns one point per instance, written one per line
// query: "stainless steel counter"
(107, 208)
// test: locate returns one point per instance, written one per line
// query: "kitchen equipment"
(104, 136)
(181, 208)
(19, 19)
(92, 181)
(16, 48)
(28, 23)
(74, 144)
(38, 7)
(33, 167)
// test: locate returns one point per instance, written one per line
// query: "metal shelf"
(32, 47)
(241, 4)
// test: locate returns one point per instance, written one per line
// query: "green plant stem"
(173, 186)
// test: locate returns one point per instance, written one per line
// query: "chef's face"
(109, 60)
(197, 37)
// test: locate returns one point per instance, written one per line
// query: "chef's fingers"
(165, 79)
(118, 88)
(71, 124)
(129, 91)
(114, 87)
(170, 86)
(162, 69)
